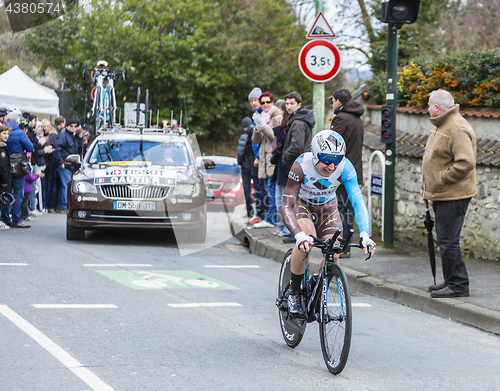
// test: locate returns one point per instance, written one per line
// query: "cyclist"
(309, 205)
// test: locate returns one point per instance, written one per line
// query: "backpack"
(240, 151)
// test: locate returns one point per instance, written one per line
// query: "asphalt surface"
(400, 274)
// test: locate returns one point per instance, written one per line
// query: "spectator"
(3, 115)
(49, 181)
(299, 135)
(29, 180)
(17, 142)
(300, 124)
(65, 145)
(246, 157)
(263, 134)
(449, 181)
(280, 176)
(5, 173)
(59, 124)
(79, 140)
(259, 185)
(37, 162)
(348, 124)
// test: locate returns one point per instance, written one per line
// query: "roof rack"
(143, 130)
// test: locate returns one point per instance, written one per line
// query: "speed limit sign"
(319, 60)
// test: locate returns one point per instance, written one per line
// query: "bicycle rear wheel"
(292, 328)
(335, 327)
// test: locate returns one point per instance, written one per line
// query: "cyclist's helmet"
(6, 199)
(328, 147)
(102, 64)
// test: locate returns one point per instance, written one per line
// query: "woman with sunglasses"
(309, 205)
(263, 134)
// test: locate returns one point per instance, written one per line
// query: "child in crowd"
(29, 179)
(5, 170)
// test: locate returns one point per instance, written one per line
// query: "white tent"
(18, 90)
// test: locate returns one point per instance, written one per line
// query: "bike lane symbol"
(165, 279)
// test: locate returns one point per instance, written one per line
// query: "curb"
(474, 315)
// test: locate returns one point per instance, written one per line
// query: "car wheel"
(74, 233)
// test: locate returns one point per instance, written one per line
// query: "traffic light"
(400, 12)
(387, 130)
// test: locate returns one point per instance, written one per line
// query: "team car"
(138, 178)
(224, 185)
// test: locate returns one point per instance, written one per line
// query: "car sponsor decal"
(135, 176)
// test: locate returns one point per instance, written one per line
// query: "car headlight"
(187, 189)
(83, 187)
(232, 186)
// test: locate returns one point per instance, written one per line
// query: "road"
(122, 311)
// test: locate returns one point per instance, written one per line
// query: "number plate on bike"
(134, 205)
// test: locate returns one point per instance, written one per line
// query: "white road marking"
(234, 266)
(13, 264)
(360, 305)
(117, 264)
(78, 306)
(65, 358)
(193, 305)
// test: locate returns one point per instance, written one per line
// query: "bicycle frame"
(104, 105)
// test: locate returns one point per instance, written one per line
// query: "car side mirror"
(74, 160)
(206, 164)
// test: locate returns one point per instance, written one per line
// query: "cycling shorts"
(325, 217)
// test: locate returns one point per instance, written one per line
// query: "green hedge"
(472, 77)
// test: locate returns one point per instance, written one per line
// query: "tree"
(199, 56)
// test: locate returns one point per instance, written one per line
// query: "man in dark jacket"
(300, 123)
(349, 125)
(65, 145)
(246, 159)
(17, 142)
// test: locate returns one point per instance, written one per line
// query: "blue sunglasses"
(328, 158)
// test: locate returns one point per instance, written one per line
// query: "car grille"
(139, 193)
(215, 185)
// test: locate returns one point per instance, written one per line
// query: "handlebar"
(110, 73)
(336, 245)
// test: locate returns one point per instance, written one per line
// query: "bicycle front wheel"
(335, 327)
(292, 328)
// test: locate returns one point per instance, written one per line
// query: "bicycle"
(104, 106)
(326, 299)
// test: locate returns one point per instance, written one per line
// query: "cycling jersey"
(308, 189)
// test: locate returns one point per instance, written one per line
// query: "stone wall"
(481, 233)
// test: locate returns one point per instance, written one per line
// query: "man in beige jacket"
(449, 181)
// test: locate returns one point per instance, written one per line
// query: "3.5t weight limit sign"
(319, 60)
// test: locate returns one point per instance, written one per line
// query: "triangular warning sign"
(320, 28)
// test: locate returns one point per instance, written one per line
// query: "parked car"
(138, 179)
(224, 186)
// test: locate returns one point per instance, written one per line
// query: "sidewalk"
(401, 275)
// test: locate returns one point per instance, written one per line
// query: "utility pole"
(396, 13)
(319, 88)
(390, 148)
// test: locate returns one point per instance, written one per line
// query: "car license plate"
(134, 205)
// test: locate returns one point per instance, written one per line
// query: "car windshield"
(165, 154)
(222, 167)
